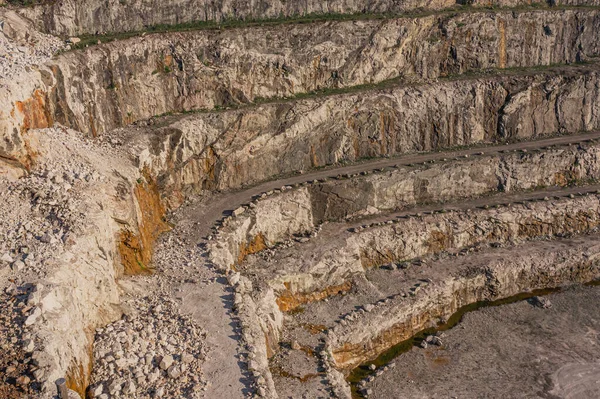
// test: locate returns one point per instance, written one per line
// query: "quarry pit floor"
(510, 351)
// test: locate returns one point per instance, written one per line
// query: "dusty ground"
(510, 351)
(191, 295)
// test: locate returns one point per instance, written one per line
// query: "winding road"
(207, 213)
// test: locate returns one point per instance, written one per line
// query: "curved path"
(209, 299)
(211, 210)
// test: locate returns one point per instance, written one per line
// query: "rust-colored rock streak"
(257, 244)
(35, 112)
(79, 374)
(136, 249)
(289, 300)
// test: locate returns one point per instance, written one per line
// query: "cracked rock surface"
(300, 207)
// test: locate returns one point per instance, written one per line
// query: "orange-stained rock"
(136, 248)
(288, 300)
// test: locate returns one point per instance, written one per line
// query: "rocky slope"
(97, 89)
(337, 255)
(296, 211)
(289, 279)
(91, 16)
(225, 150)
(69, 211)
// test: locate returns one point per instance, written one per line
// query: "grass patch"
(382, 85)
(89, 40)
(29, 3)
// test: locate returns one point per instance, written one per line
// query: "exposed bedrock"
(332, 263)
(291, 278)
(336, 200)
(102, 87)
(278, 217)
(226, 150)
(491, 275)
(85, 255)
(72, 17)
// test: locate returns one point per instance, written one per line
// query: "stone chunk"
(6, 258)
(174, 371)
(540, 302)
(186, 358)
(98, 390)
(166, 362)
(28, 345)
(234, 278)
(23, 381)
(18, 265)
(37, 312)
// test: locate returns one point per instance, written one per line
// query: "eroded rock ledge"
(491, 275)
(282, 281)
(337, 259)
(296, 211)
(72, 17)
(251, 145)
(97, 89)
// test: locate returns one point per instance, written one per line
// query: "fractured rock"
(166, 362)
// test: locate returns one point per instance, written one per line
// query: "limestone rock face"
(73, 17)
(280, 216)
(203, 151)
(96, 157)
(131, 80)
(499, 274)
(335, 260)
(106, 86)
(272, 221)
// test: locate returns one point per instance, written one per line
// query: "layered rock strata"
(102, 87)
(407, 300)
(360, 321)
(368, 99)
(296, 211)
(250, 145)
(70, 17)
(334, 260)
(490, 276)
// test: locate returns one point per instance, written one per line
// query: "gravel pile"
(16, 345)
(152, 352)
(41, 215)
(21, 47)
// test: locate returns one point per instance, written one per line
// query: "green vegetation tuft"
(29, 3)
(89, 40)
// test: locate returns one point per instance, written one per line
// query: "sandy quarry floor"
(510, 351)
